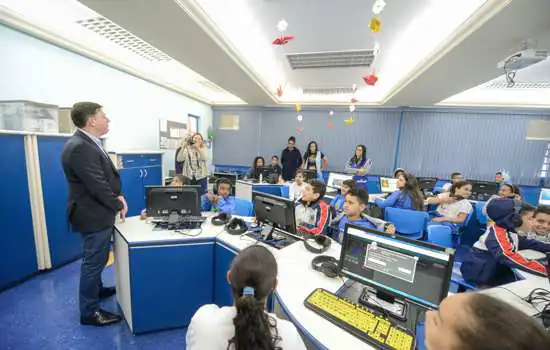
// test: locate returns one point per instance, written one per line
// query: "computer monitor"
(544, 198)
(309, 174)
(388, 184)
(335, 180)
(163, 201)
(427, 183)
(412, 270)
(483, 190)
(274, 212)
(269, 174)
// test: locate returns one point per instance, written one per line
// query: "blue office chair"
(408, 223)
(481, 218)
(243, 207)
(441, 235)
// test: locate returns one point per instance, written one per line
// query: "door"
(132, 188)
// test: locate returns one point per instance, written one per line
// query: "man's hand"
(124, 210)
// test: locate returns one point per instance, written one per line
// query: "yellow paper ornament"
(349, 121)
(375, 24)
(298, 108)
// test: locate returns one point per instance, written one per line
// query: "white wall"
(31, 69)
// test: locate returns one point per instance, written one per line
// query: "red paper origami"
(330, 125)
(370, 79)
(283, 40)
(354, 100)
(279, 91)
(299, 131)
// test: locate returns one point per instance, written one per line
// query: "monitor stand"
(377, 299)
(267, 232)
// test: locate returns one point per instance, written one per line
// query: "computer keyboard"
(200, 219)
(360, 321)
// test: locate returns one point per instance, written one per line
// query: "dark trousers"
(203, 183)
(95, 247)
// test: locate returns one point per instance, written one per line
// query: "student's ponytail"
(253, 277)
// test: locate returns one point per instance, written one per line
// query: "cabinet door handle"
(140, 173)
(145, 172)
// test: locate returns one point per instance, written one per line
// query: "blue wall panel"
(64, 245)
(17, 248)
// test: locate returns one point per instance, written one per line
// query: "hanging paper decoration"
(299, 131)
(377, 7)
(349, 121)
(375, 24)
(330, 125)
(353, 100)
(299, 117)
(331, 113)
(376, 49)
(352, 108)
(279, 91)
(282, 25)
(370, 79)
(298, 107)
(282, 39)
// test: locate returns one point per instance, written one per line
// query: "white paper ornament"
(378, 6)
(282, 25)
(352, 108)
(376, 49)
(299, 117)
(331, 113)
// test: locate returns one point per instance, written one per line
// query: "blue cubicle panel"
(530, 194)
(138, 171)
(373, 184)
(17, 248)
(65, 246)
(132, 187)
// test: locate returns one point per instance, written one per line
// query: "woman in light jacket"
(191, 161)
(315, 159)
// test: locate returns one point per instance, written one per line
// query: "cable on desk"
(186, 233)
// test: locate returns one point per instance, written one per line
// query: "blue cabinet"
(17, 247)
(167, 293)
(138, 171)
(65, 246)
(223, 256)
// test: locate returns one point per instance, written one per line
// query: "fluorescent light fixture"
(517, 98)
(58, 20)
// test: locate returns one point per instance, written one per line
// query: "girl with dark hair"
(246, 325)
(408, 195)
(454, 206)
(315, 159)
(359, 165)
(254, 173)
(398, 172)
(476, 321)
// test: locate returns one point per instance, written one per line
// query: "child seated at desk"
(254, 173)
(297, 188)
(541, 223)
(180, 180)
(355, 204)
(220, 200)
(527, 228)
(408, 195)
(337, 204)
(495, 254)
(246, 324)
(454, 206)
(475, 321)
(312, 213)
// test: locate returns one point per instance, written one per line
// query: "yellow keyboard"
(359, 321)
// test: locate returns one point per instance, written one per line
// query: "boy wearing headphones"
(220, 200)
(312, 213)
(495, 254)
(355, 205)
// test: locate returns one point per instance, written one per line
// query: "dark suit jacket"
(94, 185)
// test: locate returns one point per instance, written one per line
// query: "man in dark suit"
(94, 200)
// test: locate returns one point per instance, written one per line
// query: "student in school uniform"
(506, 190)
(454, 206)
(253, 173)
(527, 228)
(337, 204)
(408, 195)
(246, 324)
(291, 159)
(355, 205)
(398, 172)
(275, 165)
(359, 165)
(541, 223)
(455, 178)
(297, 188)
(476, 321)
(314, 159)
(312, 213)
(221, 200)
(495, 254)
(180, 180)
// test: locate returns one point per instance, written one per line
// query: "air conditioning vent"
(120, 36)
(518, 85)
(327, 90)
(331, 59)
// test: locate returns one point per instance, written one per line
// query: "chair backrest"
(441, 235)
(243, 207)
(285, 191)
(410, 223)
(269, 189)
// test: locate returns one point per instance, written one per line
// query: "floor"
(42, 313)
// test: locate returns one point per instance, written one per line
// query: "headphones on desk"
(318, 244)
(221, 219)
(236, 226)
(328, 265)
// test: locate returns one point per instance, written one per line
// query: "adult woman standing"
(315, 159)
(359, 165)
(191, 160)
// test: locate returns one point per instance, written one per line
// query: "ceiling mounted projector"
(523, 59)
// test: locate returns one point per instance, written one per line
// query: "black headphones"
(325, 264)
(236, 226)
(318, 244)
(221, 219)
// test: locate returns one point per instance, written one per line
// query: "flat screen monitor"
(427, 183)
(388, 184)
(483, 190)
(163, 201)
(335, 180)
(269, 173)
(544, 198)
(274, 211)
(404, 268)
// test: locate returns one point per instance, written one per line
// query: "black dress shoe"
(107, 292)
(100, 318)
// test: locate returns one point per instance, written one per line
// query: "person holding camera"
(191, 160)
